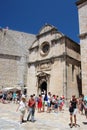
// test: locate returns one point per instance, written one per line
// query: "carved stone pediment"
(42, 74)
(44, 66)
(46, 28)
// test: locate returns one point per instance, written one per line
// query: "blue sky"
(30, 15)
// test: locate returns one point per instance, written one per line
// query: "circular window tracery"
(45, 48)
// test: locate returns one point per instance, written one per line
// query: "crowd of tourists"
(42, 103)
(9, 96)
(46, 102)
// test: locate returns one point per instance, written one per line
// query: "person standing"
(31, 109)
(73, 110)
(43, 102)
(85, 106)
(22, 109)
(14, 97)
(81, 104)
(49, 102)
(39, 103)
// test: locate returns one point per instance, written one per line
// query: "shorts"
(22, 113)
(56, 106)
(48, 104)
(75, 111)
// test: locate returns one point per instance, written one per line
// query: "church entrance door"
(43, 82)
(43, 86)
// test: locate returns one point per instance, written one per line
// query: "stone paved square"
(9, 120)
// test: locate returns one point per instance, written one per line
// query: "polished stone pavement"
(9, 120)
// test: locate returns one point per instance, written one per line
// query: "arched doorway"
(43, 86)
(43, 82)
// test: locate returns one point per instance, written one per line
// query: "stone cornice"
(58, 39)
(72, 59)
(6, 56)
(46, 60)
(83, 35)
(80, 2)
(64, 56)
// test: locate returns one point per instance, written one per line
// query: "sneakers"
(31, 120)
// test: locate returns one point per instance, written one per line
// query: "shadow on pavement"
(77, 125)
(85, 123)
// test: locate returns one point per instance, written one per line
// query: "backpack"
(46, 98)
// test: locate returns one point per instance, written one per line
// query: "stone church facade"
(54, 64)
(82, 12)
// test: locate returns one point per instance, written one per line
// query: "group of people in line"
(48, 102)
(43, 102)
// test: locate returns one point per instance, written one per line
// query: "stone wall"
(8, 70)
(82, 11)
(14, 52)
(84, 65)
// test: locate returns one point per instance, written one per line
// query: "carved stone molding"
(44, 66)
(83, 36)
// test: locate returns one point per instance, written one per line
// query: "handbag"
(22, 109)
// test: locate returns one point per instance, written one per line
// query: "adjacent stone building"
(54, 64)
(82, 11)
(13, 57)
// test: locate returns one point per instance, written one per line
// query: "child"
(22, 108)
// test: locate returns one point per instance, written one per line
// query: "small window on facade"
(72, 72)
(45, 47)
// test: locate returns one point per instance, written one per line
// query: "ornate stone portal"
(43, 82)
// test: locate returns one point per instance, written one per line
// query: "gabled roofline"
(53, 27)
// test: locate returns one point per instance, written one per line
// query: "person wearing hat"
(22, 108)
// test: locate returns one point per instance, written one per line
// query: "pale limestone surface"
(9, 120)
(22, 61)
(59, 68)
(82, 13)
(14, 47)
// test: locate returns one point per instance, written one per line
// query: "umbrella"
(10, 89)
